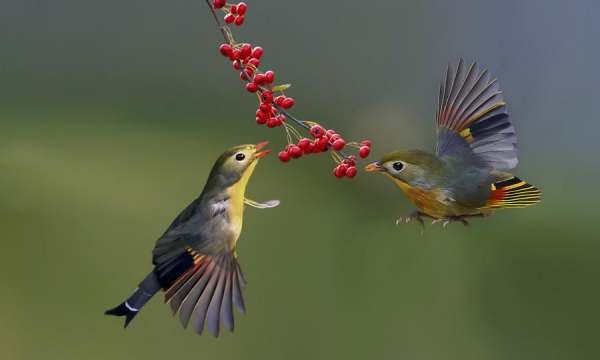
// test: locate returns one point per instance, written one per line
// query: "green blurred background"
(112, 112)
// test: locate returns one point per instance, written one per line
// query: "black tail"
(130, 307)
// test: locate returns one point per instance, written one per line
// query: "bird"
(468, 175)
(195, 261)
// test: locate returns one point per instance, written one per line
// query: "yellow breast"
(236, 193)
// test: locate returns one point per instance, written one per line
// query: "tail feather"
(513, 193)
(133, 304)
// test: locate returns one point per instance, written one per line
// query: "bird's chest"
(435, 202)
(226, 224)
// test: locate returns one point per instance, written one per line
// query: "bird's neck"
(236, 193)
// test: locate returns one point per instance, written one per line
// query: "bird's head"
(413, 167)
(237, 163)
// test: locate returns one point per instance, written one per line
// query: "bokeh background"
(112, 112)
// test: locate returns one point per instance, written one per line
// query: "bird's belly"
(437, 203)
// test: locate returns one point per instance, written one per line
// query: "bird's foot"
(459, 218)
(415, 215)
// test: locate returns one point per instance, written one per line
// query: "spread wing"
(472, 120)
(200, 285)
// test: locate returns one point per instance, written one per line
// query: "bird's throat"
(236, 194)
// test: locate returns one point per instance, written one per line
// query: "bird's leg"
(458, 218)
(415, 215)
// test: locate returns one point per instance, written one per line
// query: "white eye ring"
(398, 166)
(240, 156)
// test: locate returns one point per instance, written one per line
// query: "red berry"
(263, 115)
(257, 52)
(260, 120)
(246, 51)
(217, 4)
(338, 144)
(254, 62)
(239, 20)
(287, 103)
(235, 55)
(284, 156)
(321, 144)
(251, 87)
(340, 171)
(333, 138)
(272, 122)
(266, 97)
(330, 132)
(259, 79)
(295, 151)
(241, 8)
(364, 151)
(266, 108)
(270, 76)
(233, 9)
(366, 143)
(317, 131)
(350, 160)
(236, 65)
(304, 144)
(229, 18)
(351, 172)
(226, 50)
(279, 100)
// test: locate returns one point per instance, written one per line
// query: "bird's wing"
(472, 120)
(199, 285)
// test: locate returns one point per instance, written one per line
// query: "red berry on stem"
(236, 65)
(245, 51)
(254, 62)
(257, 52)
(270, 76)
(338, 144)
(233, 9)
(340, 171)
(330, 132)
(287, 103)
(295, 151)
(304, 144)
(279, 100)
(260, 120)
(239, 20)
(217, 4)
(364, 151)
(266, 108)
(251, 87)
(226, 50)
(351, 172)
(229, 18)
(266, 97)
(317, 131)
(284, 156)
(241, 8)
(259, 79)
(366, 143)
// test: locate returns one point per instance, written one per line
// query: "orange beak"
(258, 154)
(374, 167)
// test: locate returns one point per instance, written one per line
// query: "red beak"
(258, 154)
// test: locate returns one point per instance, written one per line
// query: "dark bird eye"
(240, 156)
(398, 166)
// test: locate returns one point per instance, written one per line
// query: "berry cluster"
(235, 13)
(273, 104)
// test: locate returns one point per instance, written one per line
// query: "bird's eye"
(240, 156)
(398, 166)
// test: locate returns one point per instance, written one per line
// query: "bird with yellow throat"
(468, 174)
(195, 260)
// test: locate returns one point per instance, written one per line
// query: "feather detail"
(472, 117)
(206, 291)
(513, 193)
